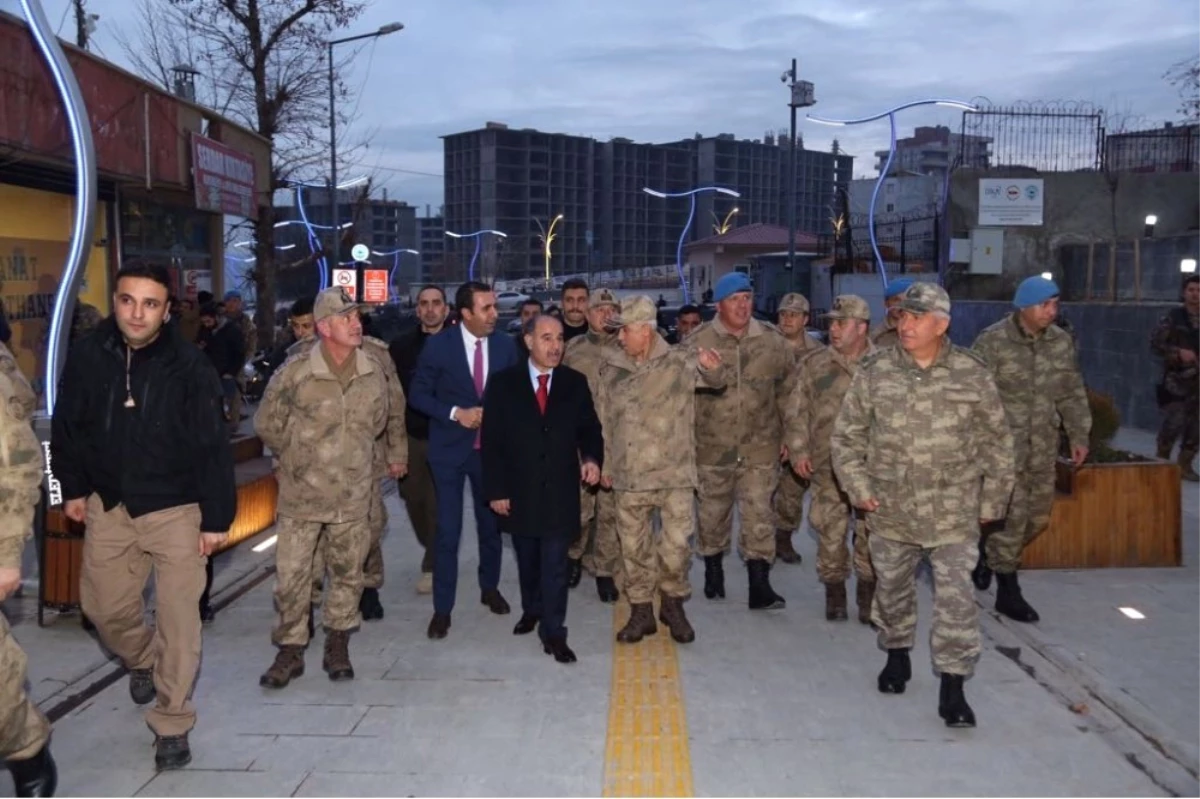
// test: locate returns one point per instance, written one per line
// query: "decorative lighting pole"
(547, 237)
(801, 94)
(883, 173)
(478, 236)
(722, 227)
(691, 195)
(395, 261)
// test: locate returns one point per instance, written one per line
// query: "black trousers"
(542, 569)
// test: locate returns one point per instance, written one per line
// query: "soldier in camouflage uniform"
(24, 731)
(1036, 371)
(236, 316)
(788, 501)
(1177, 341)
(584, 354)
(647, 403)
(824, 379)
(321, 415)
(922, 446)
(739, 438)
(884, 335)
(391, 460)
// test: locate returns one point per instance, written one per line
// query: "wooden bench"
(61, 554)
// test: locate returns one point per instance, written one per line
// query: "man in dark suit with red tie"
(541, 437)
(448, 387)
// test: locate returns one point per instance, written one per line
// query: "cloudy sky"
(660, 70)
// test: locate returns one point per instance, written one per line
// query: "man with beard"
(574, 308)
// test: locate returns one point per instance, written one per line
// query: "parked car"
(510, 300)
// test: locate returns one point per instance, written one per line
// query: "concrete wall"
(1114, 349)
(1080, 207)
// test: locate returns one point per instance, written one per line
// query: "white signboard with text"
(1011, 201)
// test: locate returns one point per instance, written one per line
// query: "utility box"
(804, 94)
(987, 251)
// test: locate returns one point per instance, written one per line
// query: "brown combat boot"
(1186, 456)
(783, 547)
(866, 595)
(671, 614)
(288, 665)
(640, 624)
(337, 656)
(835, 602)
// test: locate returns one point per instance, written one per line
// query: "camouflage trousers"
(346, 548)
(954, 638)
(751, 488)
(373, 566)
(597, 528)
(647, 567)
(23, 728)
(789, 500)
(1028, 517)
(830, 515)
(1181, 421)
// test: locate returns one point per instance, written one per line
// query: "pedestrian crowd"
(594, 443)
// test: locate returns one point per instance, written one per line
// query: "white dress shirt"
(469, 340)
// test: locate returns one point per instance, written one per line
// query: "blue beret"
(897, 287)
(233, 295)
(731, 283)
(1034, 291)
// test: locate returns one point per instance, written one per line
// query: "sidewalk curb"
(1156, 752)
(106, 670)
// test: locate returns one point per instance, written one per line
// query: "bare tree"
(262, 65)
(1185, 76)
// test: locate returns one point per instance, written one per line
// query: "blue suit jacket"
(443, 381)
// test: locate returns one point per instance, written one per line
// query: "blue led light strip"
(691, 217)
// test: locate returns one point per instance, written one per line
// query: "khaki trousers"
(118, 555)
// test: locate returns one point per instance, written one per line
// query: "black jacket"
(405, 350)
(171, 449)
(225, 347)
(533, 460)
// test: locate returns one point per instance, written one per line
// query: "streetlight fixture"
(883, 173)
(801, 94)
(391, 27)
(722, 227)
(395, 261)
(1151, 221)
(1047, 276)
(478, 236)
(547, 237)
(691, 215)
(1188, 266)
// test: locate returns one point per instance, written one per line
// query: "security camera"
(784, 77)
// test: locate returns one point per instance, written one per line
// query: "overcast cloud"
(660, 70)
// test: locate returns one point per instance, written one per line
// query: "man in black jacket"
(139, 446)
(417, 487)
(225, 346)
(540, 438)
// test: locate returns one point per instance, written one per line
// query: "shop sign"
(225, 179)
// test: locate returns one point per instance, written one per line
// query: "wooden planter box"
(1112, 515)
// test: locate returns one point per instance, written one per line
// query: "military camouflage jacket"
(884, 336)
(1039, 383)
(648, 414)
(805, 347)
(743, 421)
(1177, 332)
(324, 438)
(823, 381)
(20, 461)
(392, 446)
(931, 445)
(584, 354)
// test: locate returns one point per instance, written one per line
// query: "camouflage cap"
(797, 303)
(850, 306)
(639, 308)
(603, 297)
(333, 301)
(923, 297)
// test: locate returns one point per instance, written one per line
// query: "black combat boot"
(783, 547)
(865, 590)
(714, 577)
(762, 596)
(34, 776)
(141, 686)
(574, 572)
(952, 705)
(835, 602)
(1009, 600)
(640, 624)
(896, 674)
(369, 605)
(171, 752)
(606, 588)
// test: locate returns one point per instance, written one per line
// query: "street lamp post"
(547, 237)
(722, 227)
(691, 215)
(883, 173)
(801, 95)
(478, 236)
(333, 181)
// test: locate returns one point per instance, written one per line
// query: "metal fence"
(1049, 137)
(1139, 270)
(1166, 149)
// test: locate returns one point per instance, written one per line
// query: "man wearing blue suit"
(448, 387)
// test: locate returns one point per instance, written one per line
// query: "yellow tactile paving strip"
(646, 752)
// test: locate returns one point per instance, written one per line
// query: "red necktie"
(543, 392)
